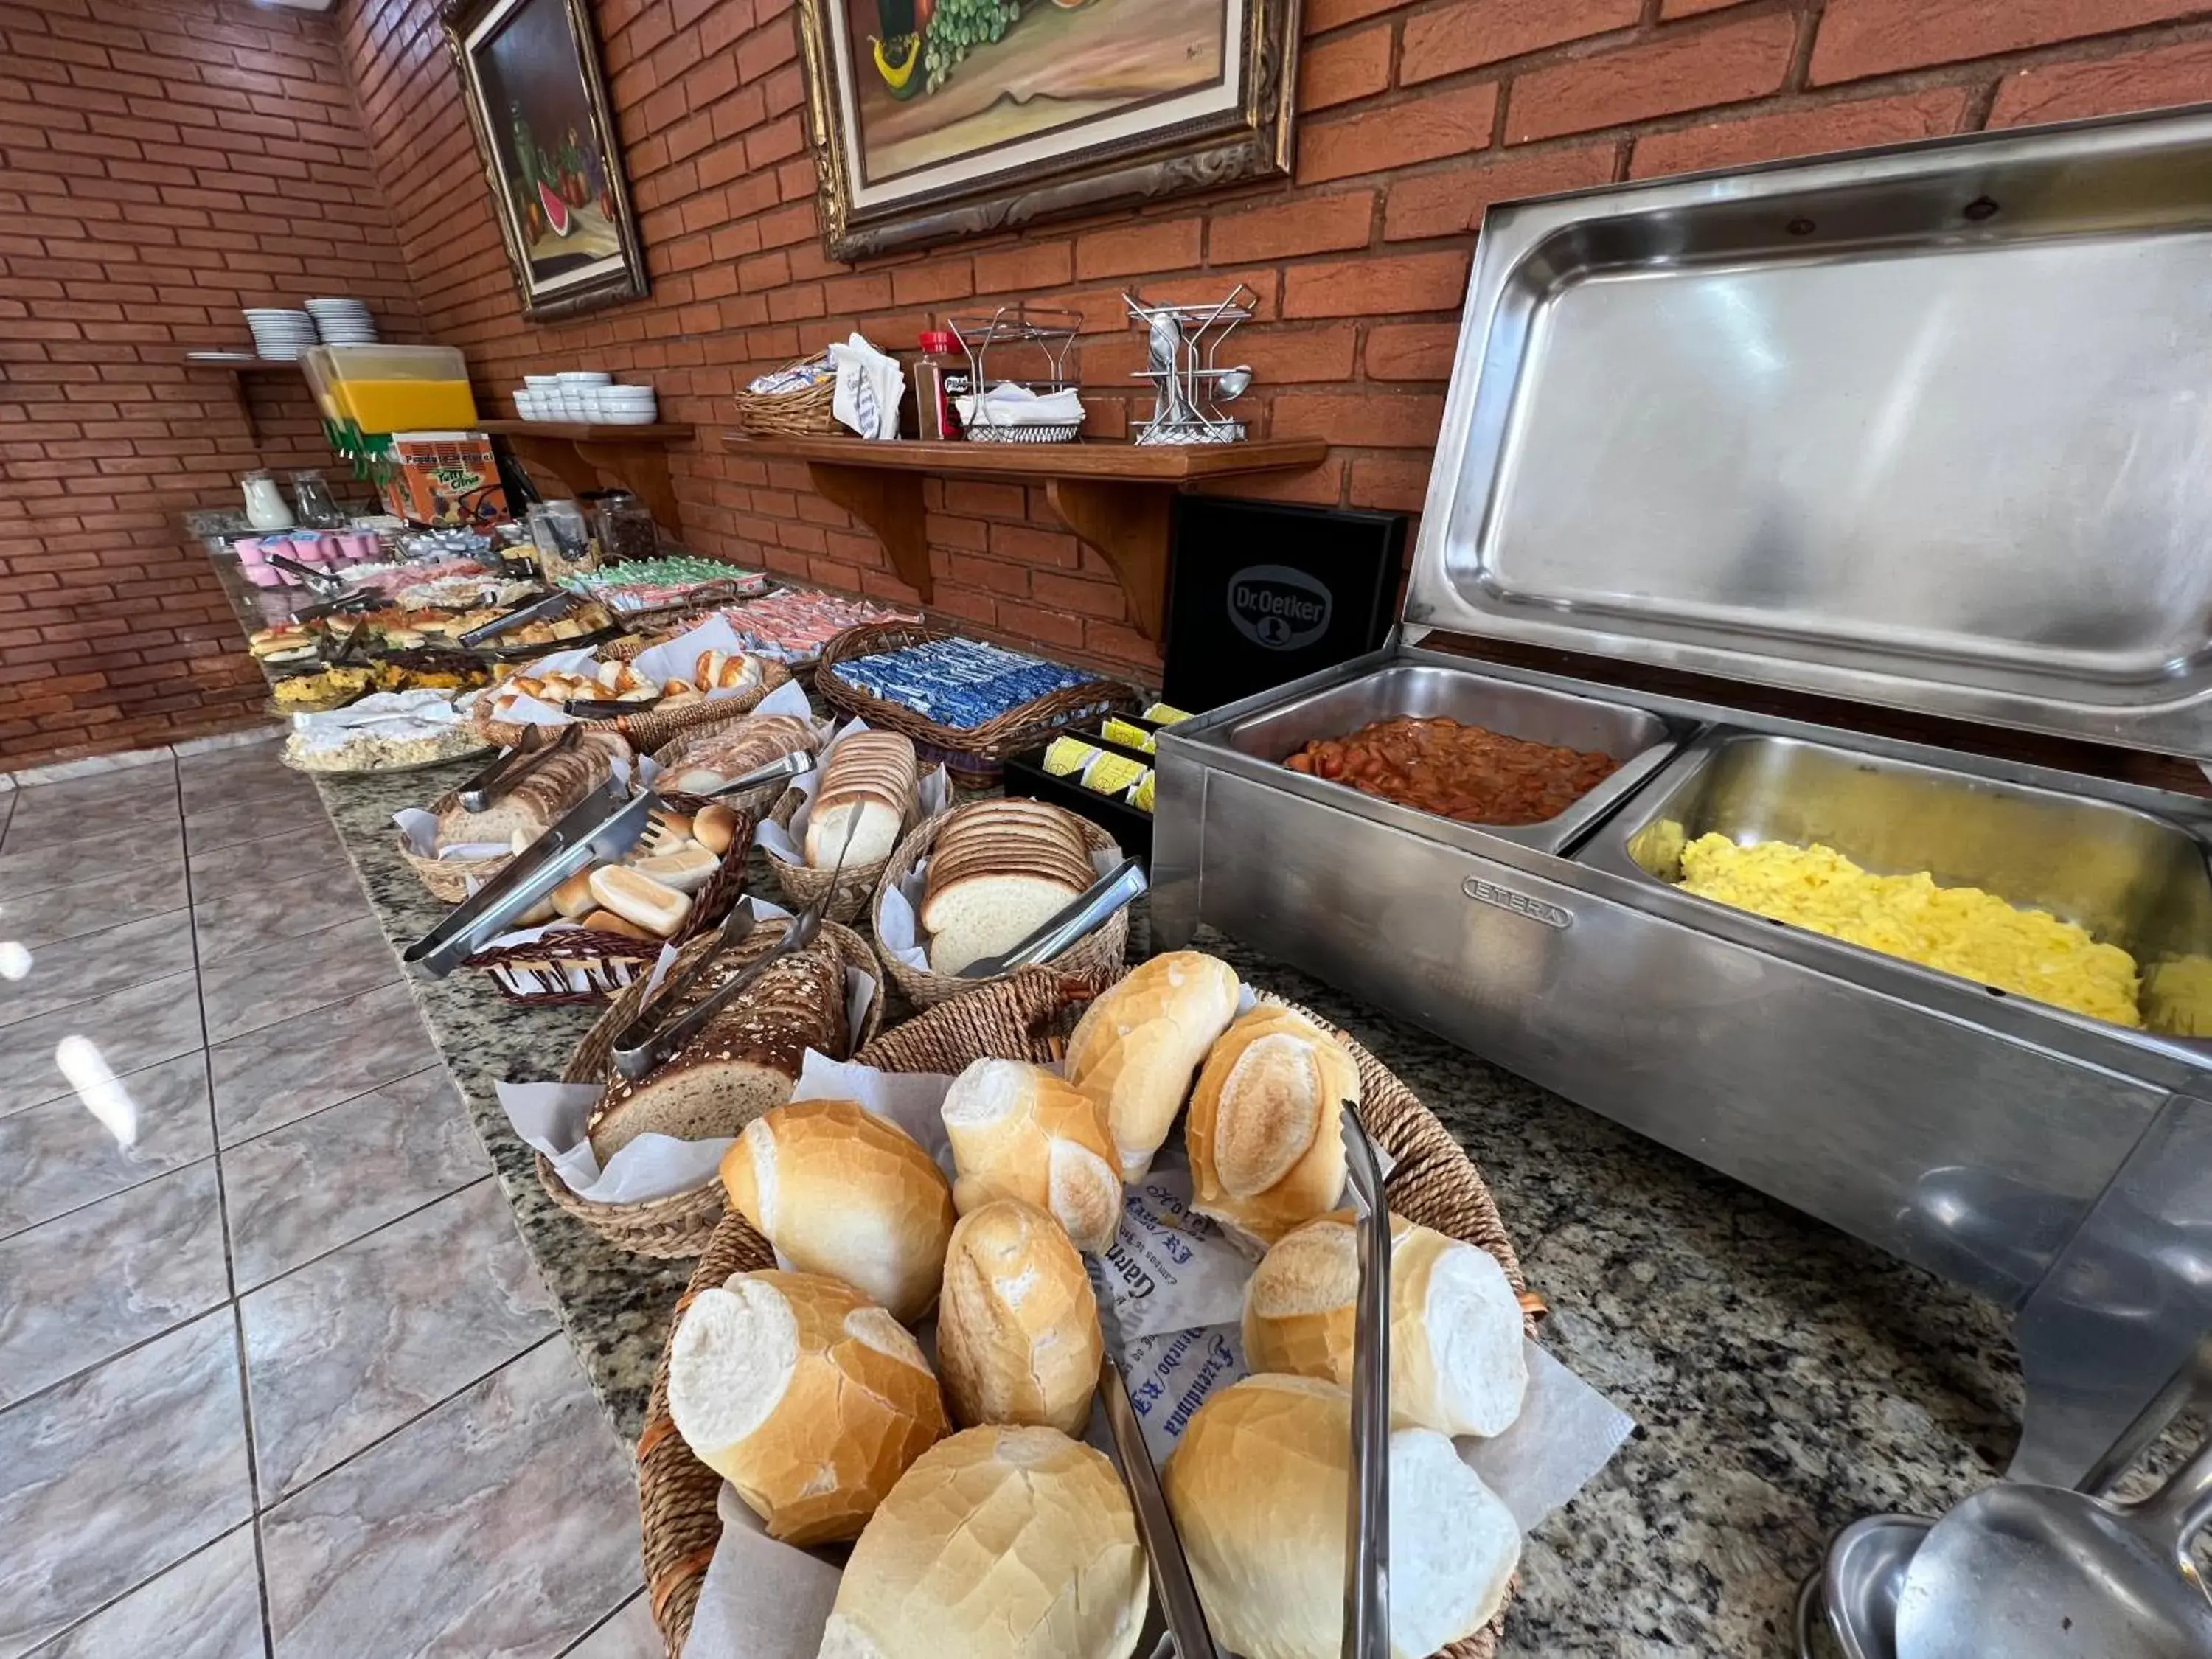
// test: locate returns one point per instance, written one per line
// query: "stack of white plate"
(343, 322)
(281, 336)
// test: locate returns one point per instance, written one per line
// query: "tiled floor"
(277, 1376)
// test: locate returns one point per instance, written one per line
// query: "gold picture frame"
(551, 159)
(1140, 148)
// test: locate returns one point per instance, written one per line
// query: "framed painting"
(529, 77)
(938, 118)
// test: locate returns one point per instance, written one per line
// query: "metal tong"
(1090, 908)
(784, 766)
(508, 769)
(544, 606)
(1367, 1558)
(1164, 1554)
(648, 1041)
(317, 581)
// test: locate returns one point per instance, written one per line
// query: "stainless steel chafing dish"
(1927, 429)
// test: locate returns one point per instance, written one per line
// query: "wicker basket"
(1433, 1182)
(651, 728)
(1099, 951)
(450, 880)
(973, 755)
(613, 961)
(679, 1225)
(805, 883)
(804, 413)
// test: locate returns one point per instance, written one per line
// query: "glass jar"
(564, 539)
(313, 501)
(625, 527)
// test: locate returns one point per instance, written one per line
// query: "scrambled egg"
(1960, 930)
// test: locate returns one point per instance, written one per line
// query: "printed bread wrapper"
(932, 789)
(553, 1117)
(1171, 1294)
(900, 931)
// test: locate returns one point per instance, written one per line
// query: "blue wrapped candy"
(961, 683)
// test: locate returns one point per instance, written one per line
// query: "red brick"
(1346, 67)
(1871, 36)
(1801, 132)
(1379, 420)
(1373, 140)
(1321, 16)
(1673, 9)
(1147, 244)
(1078, 597)
(1030, 265)
(1452, 203)
(1411, 351)
(1684, 68)
(2107, 86)
(1385, 287)
(1475, 32)
(1312, 224)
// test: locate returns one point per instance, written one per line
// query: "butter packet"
(1140, 794)
(1111, 774)
(1161, 714)
(1127, 734)
(1068, 756)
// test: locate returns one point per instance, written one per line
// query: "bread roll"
(715, 826)
(1457, 1362)
(838, 1190)
(1137, 1046)
(654, 906)
(1017, 1336)
(572, 897)
(998, 1543)
(686, 868)
(606, 921)
(1018, 1131)
(1266, 1139)
(1259, 1486)
(808, 1399)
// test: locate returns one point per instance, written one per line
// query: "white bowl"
(541, 382)
(629, 417)
(626, 394)
(585, 377)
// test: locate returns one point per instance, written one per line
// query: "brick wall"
(163, 163)
(1413, 117)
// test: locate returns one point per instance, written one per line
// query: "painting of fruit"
(538, 100)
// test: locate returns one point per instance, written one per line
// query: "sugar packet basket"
(1023, 1016)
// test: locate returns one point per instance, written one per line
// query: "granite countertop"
(1785, 1379)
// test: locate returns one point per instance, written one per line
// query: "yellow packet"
(1109, 775)
(1161, 714)
(1067, 755)
(1141, 796)
(1127, 735)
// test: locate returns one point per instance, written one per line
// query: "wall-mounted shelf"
(236, 371)
(602, 455)
(1117, 498)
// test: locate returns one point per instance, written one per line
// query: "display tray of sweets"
(794, 625)
(678, 581)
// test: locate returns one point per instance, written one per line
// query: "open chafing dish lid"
(1928, 426)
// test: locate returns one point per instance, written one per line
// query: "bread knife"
(1163, 1554)
(503, 774)
(1367, 1562)
(1117, 888)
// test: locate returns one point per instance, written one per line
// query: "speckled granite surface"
(1786, 1379)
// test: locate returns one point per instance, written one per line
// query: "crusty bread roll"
(687, 868)
(1018, 1131)
(998, 1543)
(1265, 1136)
(1457, 1362)
(572, 897)
(606, 921)
(1017, 1337)
(807, 1397)
(1259, 1486)
(1136, 1046)
(716, 827)
(653, 905)
(838, 1190)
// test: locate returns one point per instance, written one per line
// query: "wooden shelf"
(1117, 498)
(236, 373)
(603, 455)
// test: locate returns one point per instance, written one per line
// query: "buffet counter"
(1786, 1379)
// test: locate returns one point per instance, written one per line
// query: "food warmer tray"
(1915, 428)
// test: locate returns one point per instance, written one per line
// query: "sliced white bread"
(982, 915)
(1458, 1358)
(1019, 1131)
(1136, 1046)
(807, 1397)
(1257, 1488)
(997, 1543)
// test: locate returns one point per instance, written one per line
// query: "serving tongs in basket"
(1163, 1555)
(544, 607)
(604, 825)
(648, 1041)
(316, 581)
(1367, 1559)
(508, 769)
(1090, 908)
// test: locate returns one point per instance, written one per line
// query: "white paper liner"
(900, 933)
(932, 788)
(1172, 1291)
(553, 1116)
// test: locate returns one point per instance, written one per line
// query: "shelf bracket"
(889, 503)
(1127, 524)
(590, 464)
